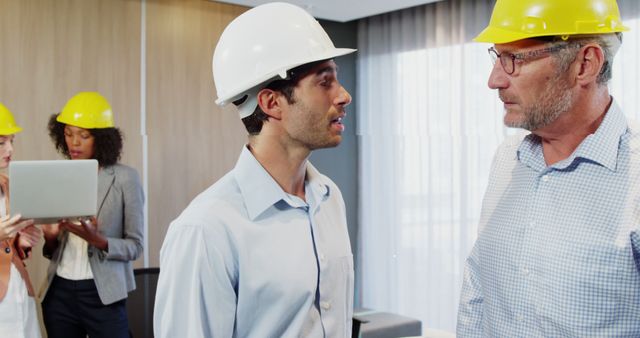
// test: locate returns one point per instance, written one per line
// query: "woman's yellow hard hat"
(514, 20)
(8, 124)
(88, 110)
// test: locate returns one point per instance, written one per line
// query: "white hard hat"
(262, 44)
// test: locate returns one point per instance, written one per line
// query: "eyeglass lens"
(506, 60)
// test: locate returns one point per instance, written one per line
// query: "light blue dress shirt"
(246, 259)
(558, 252)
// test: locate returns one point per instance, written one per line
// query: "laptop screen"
(51, 190)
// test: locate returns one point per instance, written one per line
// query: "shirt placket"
(320, 302)
(526, 270)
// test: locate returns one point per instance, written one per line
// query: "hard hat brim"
(282, 73)
(496, 35)
(499, 36)
(84, 124)
(10, 131)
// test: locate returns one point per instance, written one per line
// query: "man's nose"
(343, 98)
(498, 78)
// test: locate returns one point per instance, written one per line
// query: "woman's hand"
(87, 230)
(51, 231)
(29, 237)
(9, 226)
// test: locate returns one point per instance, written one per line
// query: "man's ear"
(592, 60)
(269, 102)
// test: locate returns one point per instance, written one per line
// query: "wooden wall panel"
(192, 142)
(52, 49)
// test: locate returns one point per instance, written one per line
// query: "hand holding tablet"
(9, 226)
(87, 229)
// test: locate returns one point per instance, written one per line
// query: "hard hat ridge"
(514, 20)
(8, 124)
(88, 110)
(262, 45)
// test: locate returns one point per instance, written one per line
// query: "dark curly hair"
(107, 142)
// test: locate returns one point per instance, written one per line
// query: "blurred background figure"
(18, 317)
(90, 271)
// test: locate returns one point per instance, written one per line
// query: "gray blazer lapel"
(105, 181)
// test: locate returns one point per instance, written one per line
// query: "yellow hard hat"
(514, 20)
(88, 110)
(8, 125)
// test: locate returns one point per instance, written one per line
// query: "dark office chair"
(141, 301)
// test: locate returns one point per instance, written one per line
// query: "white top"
(75, 260)
(3, 204)
(18, 318)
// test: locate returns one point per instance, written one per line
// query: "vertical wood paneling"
(192, 142)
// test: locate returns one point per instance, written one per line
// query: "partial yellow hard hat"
(514, 20)
(88, 110)
(8, 125)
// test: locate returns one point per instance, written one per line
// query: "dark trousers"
(73, 309)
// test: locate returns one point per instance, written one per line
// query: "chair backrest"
(141, 301)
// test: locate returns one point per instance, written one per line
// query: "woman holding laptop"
(90, 272)
(18, 317)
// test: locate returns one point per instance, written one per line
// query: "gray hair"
(610, 43)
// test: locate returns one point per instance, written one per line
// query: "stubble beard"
(313, 134)
(554, 101)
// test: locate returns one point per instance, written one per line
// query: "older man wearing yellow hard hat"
(558, 252)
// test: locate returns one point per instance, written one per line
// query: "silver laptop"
(51, 190)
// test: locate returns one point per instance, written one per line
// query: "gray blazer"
(120, 219)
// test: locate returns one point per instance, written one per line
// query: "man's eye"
(326, 83)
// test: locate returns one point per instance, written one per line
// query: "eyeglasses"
(508, 60)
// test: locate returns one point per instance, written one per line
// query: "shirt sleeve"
(196, 294)
(129, 248)
(471, 299)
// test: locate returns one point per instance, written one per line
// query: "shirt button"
(525, 271)
(325, 305)
(545, 178)
(322, 257)
(519, 318)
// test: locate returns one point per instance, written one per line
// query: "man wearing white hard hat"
(558, 251)
(264, 252)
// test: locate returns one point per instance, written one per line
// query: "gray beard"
(552, 103)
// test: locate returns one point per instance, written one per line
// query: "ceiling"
(341, 10)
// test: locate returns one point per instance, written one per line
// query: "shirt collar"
(600, 147)
(260, 191)
(316, 185)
